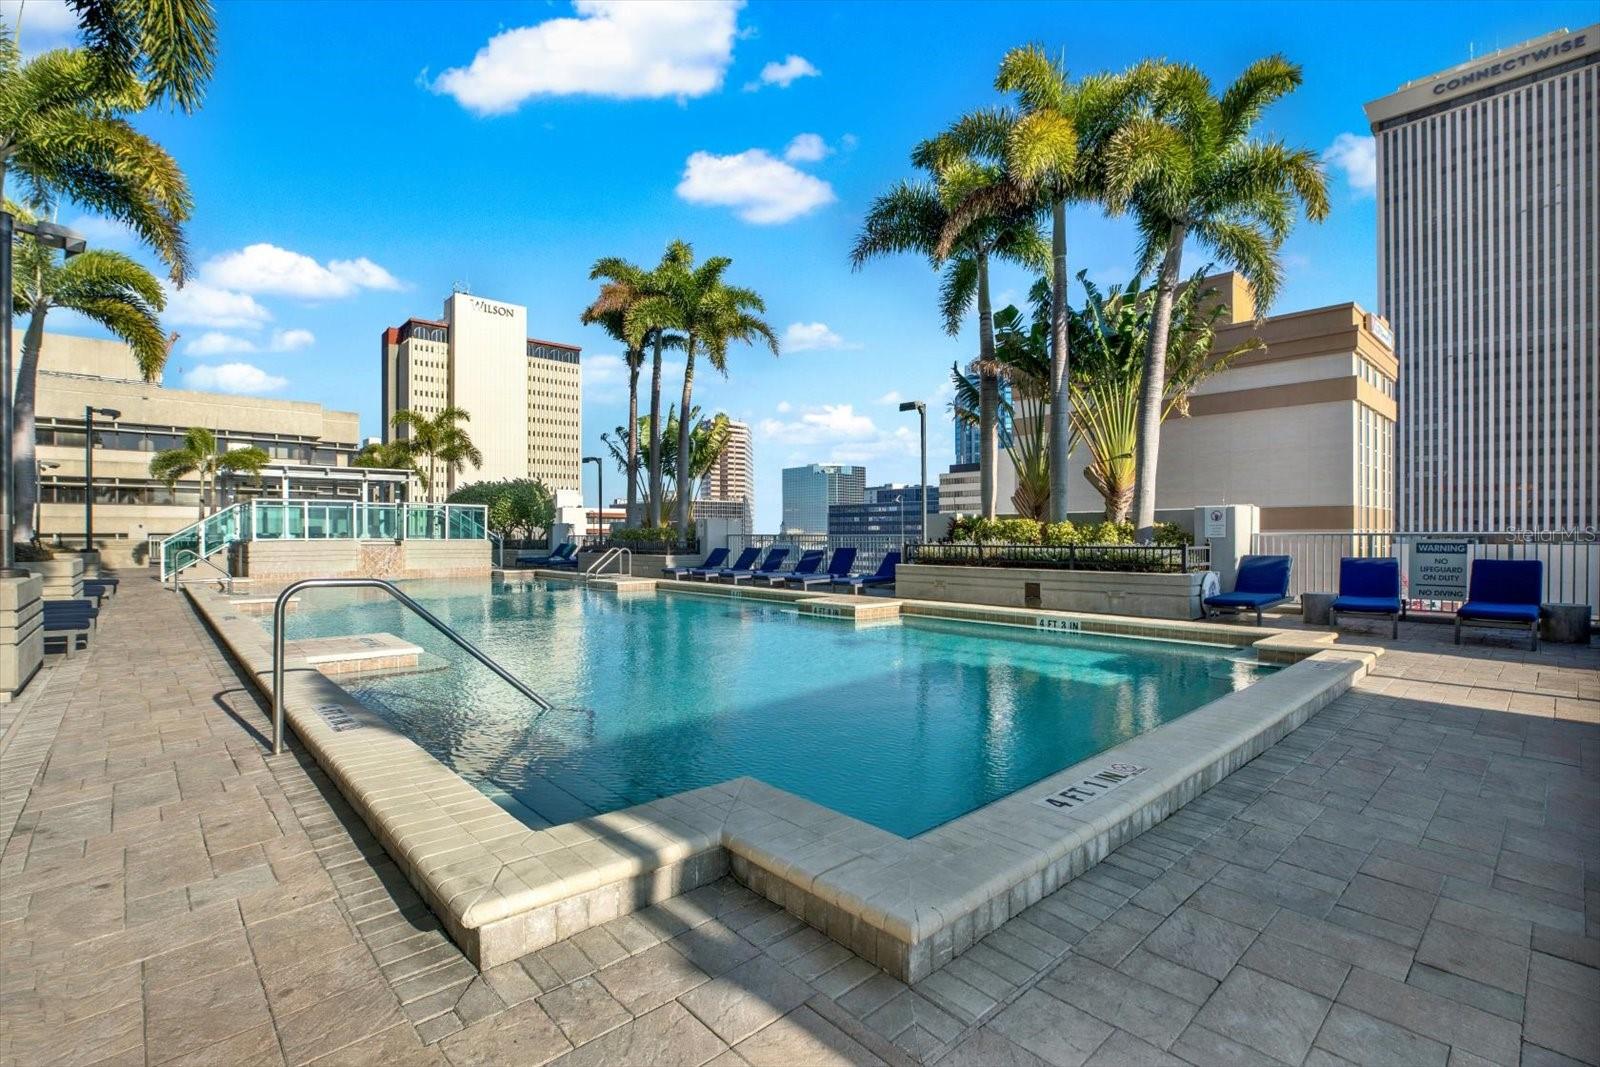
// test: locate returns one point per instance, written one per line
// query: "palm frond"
(1266, 80)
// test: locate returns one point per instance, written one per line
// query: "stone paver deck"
(1411, 877)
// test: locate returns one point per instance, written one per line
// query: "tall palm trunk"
(24, 466)
(988, 400)
(685, 490)
(655, 436)
(1152, 398)
(1060, 365)
(634, 360)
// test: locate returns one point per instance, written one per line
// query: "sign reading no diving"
(1438, 570)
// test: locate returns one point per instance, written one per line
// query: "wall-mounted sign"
(1438, 570)
(1216, 522)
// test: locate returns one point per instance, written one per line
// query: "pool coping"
(908, 905)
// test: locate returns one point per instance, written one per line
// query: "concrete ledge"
(1157, 596)
(503, 889)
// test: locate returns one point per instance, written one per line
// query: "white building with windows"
(1489, 271)
(523, 396)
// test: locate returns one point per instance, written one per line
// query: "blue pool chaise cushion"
(747, 559)
(1504, 592)
(716, 559)
(1262, 582)
(883, 576)
(1369, 586)
(838, 568)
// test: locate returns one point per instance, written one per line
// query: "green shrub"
(32, 552)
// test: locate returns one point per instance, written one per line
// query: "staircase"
(199, 541)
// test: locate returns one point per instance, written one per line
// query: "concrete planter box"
(290, 559)
(63, 577)
(91, 561)
(21, 633)
(1154, 596)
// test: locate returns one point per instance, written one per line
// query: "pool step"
(854, 608)
(360, 654)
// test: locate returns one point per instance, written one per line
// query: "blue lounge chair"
(774, 560)
(558, 558)
(68, 627)
(1369, 587)
(747, 559)
(810, 563)
(1504, 592)
(838, 567)
(716, 559)
(1262, 582)
(884, 575)
(108, 585)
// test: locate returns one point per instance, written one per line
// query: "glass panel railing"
(276, 519)
(174, 548)
(467, 521)
(330, 521)
(379, 522)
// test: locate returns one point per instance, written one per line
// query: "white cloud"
(266, 268)
(784, 407)
(891, 397)
(45, 23)
(233, 378)
(199, 304)
(605, 379)
(216, 343)
(811, 336)
(758, 187)
(807, 148)
(784, 74)
(100, 231)
(292, 340)
(837, 433)
(613, 48)
(1356, 155)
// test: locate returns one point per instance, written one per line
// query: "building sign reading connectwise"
(1532, 57)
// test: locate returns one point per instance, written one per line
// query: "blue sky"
(355, 160)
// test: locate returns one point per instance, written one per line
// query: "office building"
(523, 396)
(1303, 426)
(732, 476)
(1489, 269)
(969, 442)
(809, 491)
(887, 511)
(310, 446)
(960, 490)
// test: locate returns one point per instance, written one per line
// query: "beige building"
(1488, 185)
(1304, 428)
(523, 396)
(732, 476)
(131, 506)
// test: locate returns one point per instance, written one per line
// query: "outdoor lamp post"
(51, 236)
(600, 490)
(922, 420)
(89, 412)
(38, 498)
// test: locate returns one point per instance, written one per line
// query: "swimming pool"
(904, 726)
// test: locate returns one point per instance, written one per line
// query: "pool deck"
(1413, 875)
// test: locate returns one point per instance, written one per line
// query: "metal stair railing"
(427, 616)
(204, 538)
(611, 555)
(227, 577)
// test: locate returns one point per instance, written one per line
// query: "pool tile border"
(907, 905)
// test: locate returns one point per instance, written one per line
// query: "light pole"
(922, 425)
(51, 236)
(89, 412)
(600, 490)
(44, 465)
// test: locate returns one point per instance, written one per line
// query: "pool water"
(904, 726)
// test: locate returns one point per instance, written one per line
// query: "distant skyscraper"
(969, 442)
(808, 490)
(1489, 271)
(523, 396)
(887, 511)
(732, 476)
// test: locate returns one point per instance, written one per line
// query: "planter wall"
(63, 576)
(1155, 596)
(21, 632)
(289, 560)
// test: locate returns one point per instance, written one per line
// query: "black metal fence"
(1145, 559)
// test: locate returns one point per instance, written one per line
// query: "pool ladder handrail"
(177, 573)
(427, 616)
(610, 555)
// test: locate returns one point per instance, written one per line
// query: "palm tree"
(106, 287)
(1189, 169)
(610, 312)
(169, 46)
(1052, 150)
(711, 315)
(1110, 335)
(385, 455)
(438, 440)
(708, 439)
(64, 133)
(915, 216)
(202, 454)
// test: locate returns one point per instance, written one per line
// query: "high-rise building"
(732, 476)
(969, 442)
(1489, 271)
(887, 511)
(808, 491)
(523, 396)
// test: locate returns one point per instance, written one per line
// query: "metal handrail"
(177, 573)
(370, 583)
(613, 553)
